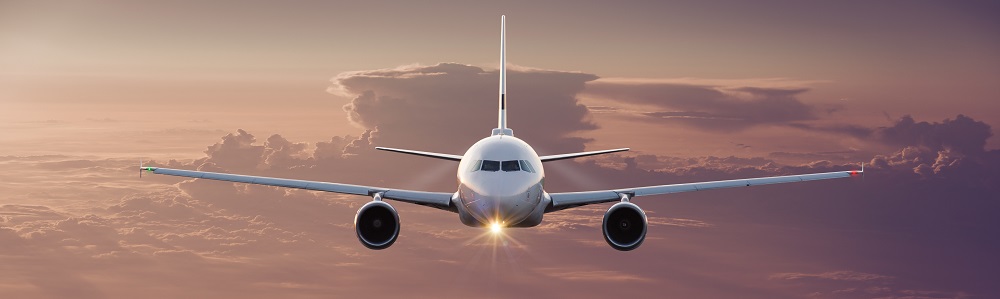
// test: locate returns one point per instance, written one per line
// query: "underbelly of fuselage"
(481, 206)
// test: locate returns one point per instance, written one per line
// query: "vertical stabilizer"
(502, 117)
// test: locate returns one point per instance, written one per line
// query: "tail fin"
(502, 117)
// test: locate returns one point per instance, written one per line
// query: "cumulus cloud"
(962, 135)
(201, 237)
(954, 147)
(275, 241)
(448, 106)
(91, 231)
(842, 155)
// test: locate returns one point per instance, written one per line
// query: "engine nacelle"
(377, 225)
(624, 226)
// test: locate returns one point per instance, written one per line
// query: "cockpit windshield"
(526, 166)
(507, 166)
(490, 165)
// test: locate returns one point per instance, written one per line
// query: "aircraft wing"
(561, 201)
(438, 200)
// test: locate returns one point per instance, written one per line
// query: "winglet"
(859, 172)
(146, 168)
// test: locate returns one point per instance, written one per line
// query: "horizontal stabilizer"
(580, 154)
(420, 153)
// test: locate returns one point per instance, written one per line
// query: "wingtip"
(146, 168)
(858, 172)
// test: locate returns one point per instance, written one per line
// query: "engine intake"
(624, 226)
(377, 225)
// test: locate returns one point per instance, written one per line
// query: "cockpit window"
(511, 165)
(526, 166)
(490, 165)
(476, 165)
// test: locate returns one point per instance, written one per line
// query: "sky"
(699, 90)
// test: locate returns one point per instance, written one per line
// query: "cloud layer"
(921, 223)
(707, 104)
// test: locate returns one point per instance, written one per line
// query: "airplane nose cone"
(497, 205)
(498, 191)
(485, 208)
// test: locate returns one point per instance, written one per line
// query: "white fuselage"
(500, 181)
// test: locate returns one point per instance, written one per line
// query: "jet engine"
(624, 226)
(377, 225)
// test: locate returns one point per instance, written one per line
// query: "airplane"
(500, 185)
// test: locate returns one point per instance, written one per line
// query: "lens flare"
(495, 228)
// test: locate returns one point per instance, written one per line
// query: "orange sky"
(75, 61)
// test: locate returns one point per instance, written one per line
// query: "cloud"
(602, 109)
(833, 275)
(954, 148)
(212, 238)
(853, 284)
(8, 213)
(855, 131)
(775, 83)
(814, 156)
(454, 105)
(962, 135)
(591, 275)
(280, 242)
(234, 151)
(713, 105)
(94, 230)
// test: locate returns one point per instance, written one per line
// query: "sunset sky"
(700, 90)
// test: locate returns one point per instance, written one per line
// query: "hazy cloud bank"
(920, 224)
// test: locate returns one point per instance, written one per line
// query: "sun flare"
(495, 228)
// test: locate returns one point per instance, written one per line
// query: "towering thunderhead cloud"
(460, 99)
